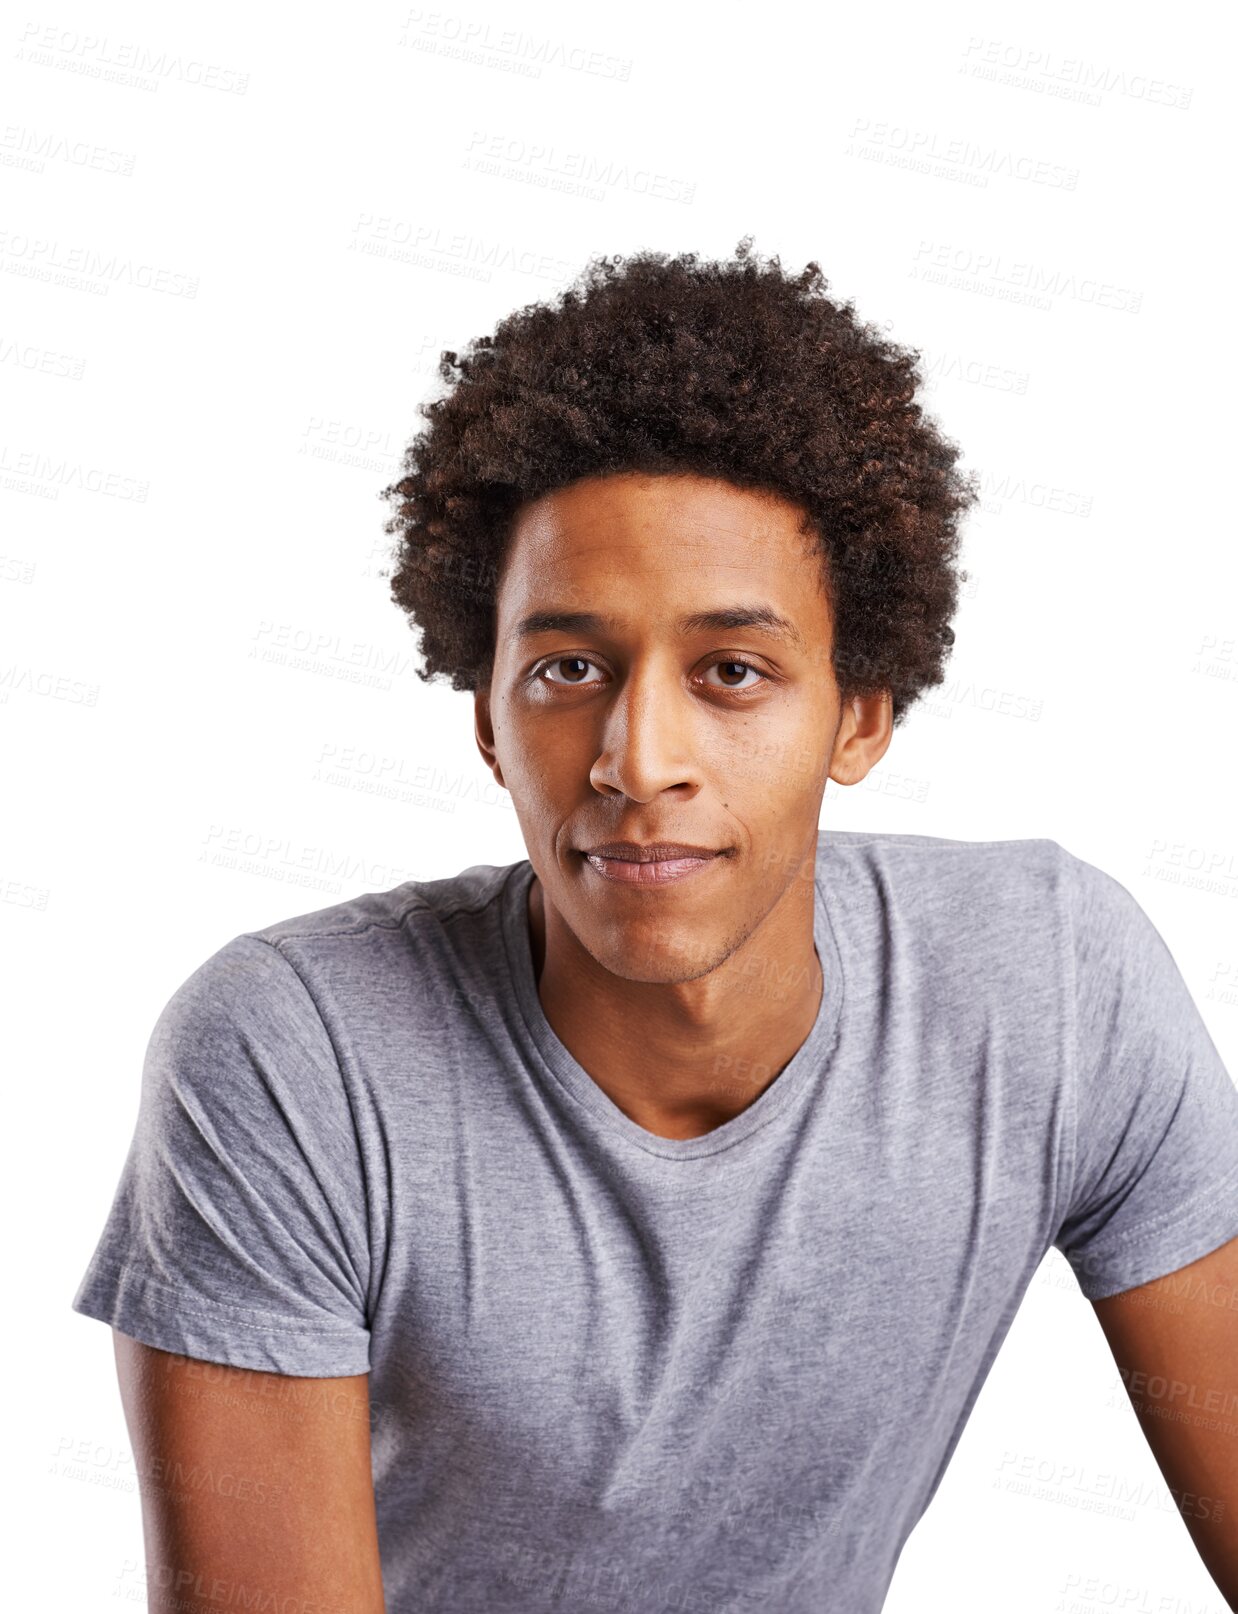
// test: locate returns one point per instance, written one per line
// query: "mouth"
(660, 863)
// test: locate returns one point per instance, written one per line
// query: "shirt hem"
(174, 1320)
(1208, 1220)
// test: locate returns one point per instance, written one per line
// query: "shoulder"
(1022, 909)
(973, 926)
(330, 969)
(932, 876)
(402, 907)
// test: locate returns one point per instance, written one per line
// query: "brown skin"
(256, 1487)
(646, 988)
(662, 995)
(1175, 1343)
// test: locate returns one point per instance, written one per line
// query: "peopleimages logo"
(33, 149)
(953, 156)
(1067, 77)
(470, 40)
(1015, 280)
(124, 62)
(46, 361)
(55, 473)
(85, 268)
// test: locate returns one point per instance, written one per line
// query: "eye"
(564, 661)
(730, 666)
(580, 664)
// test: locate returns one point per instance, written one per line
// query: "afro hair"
(734, 370)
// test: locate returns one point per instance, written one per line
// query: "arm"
(1175, 1341)
(256, 1487)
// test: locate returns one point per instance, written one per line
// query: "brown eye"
(574, 662)
(566, 672)
(731, 668)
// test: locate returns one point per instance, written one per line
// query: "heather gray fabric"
(612, 1371)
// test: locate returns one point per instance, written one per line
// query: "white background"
(234, 245)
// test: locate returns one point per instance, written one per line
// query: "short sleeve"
(1156, 1113)
(237, 1233)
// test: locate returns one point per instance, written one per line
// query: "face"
(663, 675)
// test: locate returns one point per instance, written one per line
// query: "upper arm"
(244, 1224)
(256, 1487)
(1175, 1342)
(1154, 1180)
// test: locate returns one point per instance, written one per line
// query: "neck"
(683, 1058)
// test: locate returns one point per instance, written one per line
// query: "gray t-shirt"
(615, 1371)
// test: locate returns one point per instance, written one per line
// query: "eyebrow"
(761, 617)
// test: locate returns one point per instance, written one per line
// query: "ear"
(483, 732)
(864, 735)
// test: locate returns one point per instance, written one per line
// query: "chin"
(662, 955)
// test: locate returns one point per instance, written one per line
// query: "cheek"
(543, 762)
(767, 769)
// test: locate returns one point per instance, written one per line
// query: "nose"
(649, 741)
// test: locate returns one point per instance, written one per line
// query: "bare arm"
(256, 1487)
(1175, 1342)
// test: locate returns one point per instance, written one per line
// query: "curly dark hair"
(734, 370)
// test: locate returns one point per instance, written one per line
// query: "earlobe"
(483, 733)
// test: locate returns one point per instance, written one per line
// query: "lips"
(659, 863)
(655, 852)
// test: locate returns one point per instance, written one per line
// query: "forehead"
(634, 500)
(636, 527)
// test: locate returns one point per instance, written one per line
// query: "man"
(633, 1227)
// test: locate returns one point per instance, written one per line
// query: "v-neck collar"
(787, 1086)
